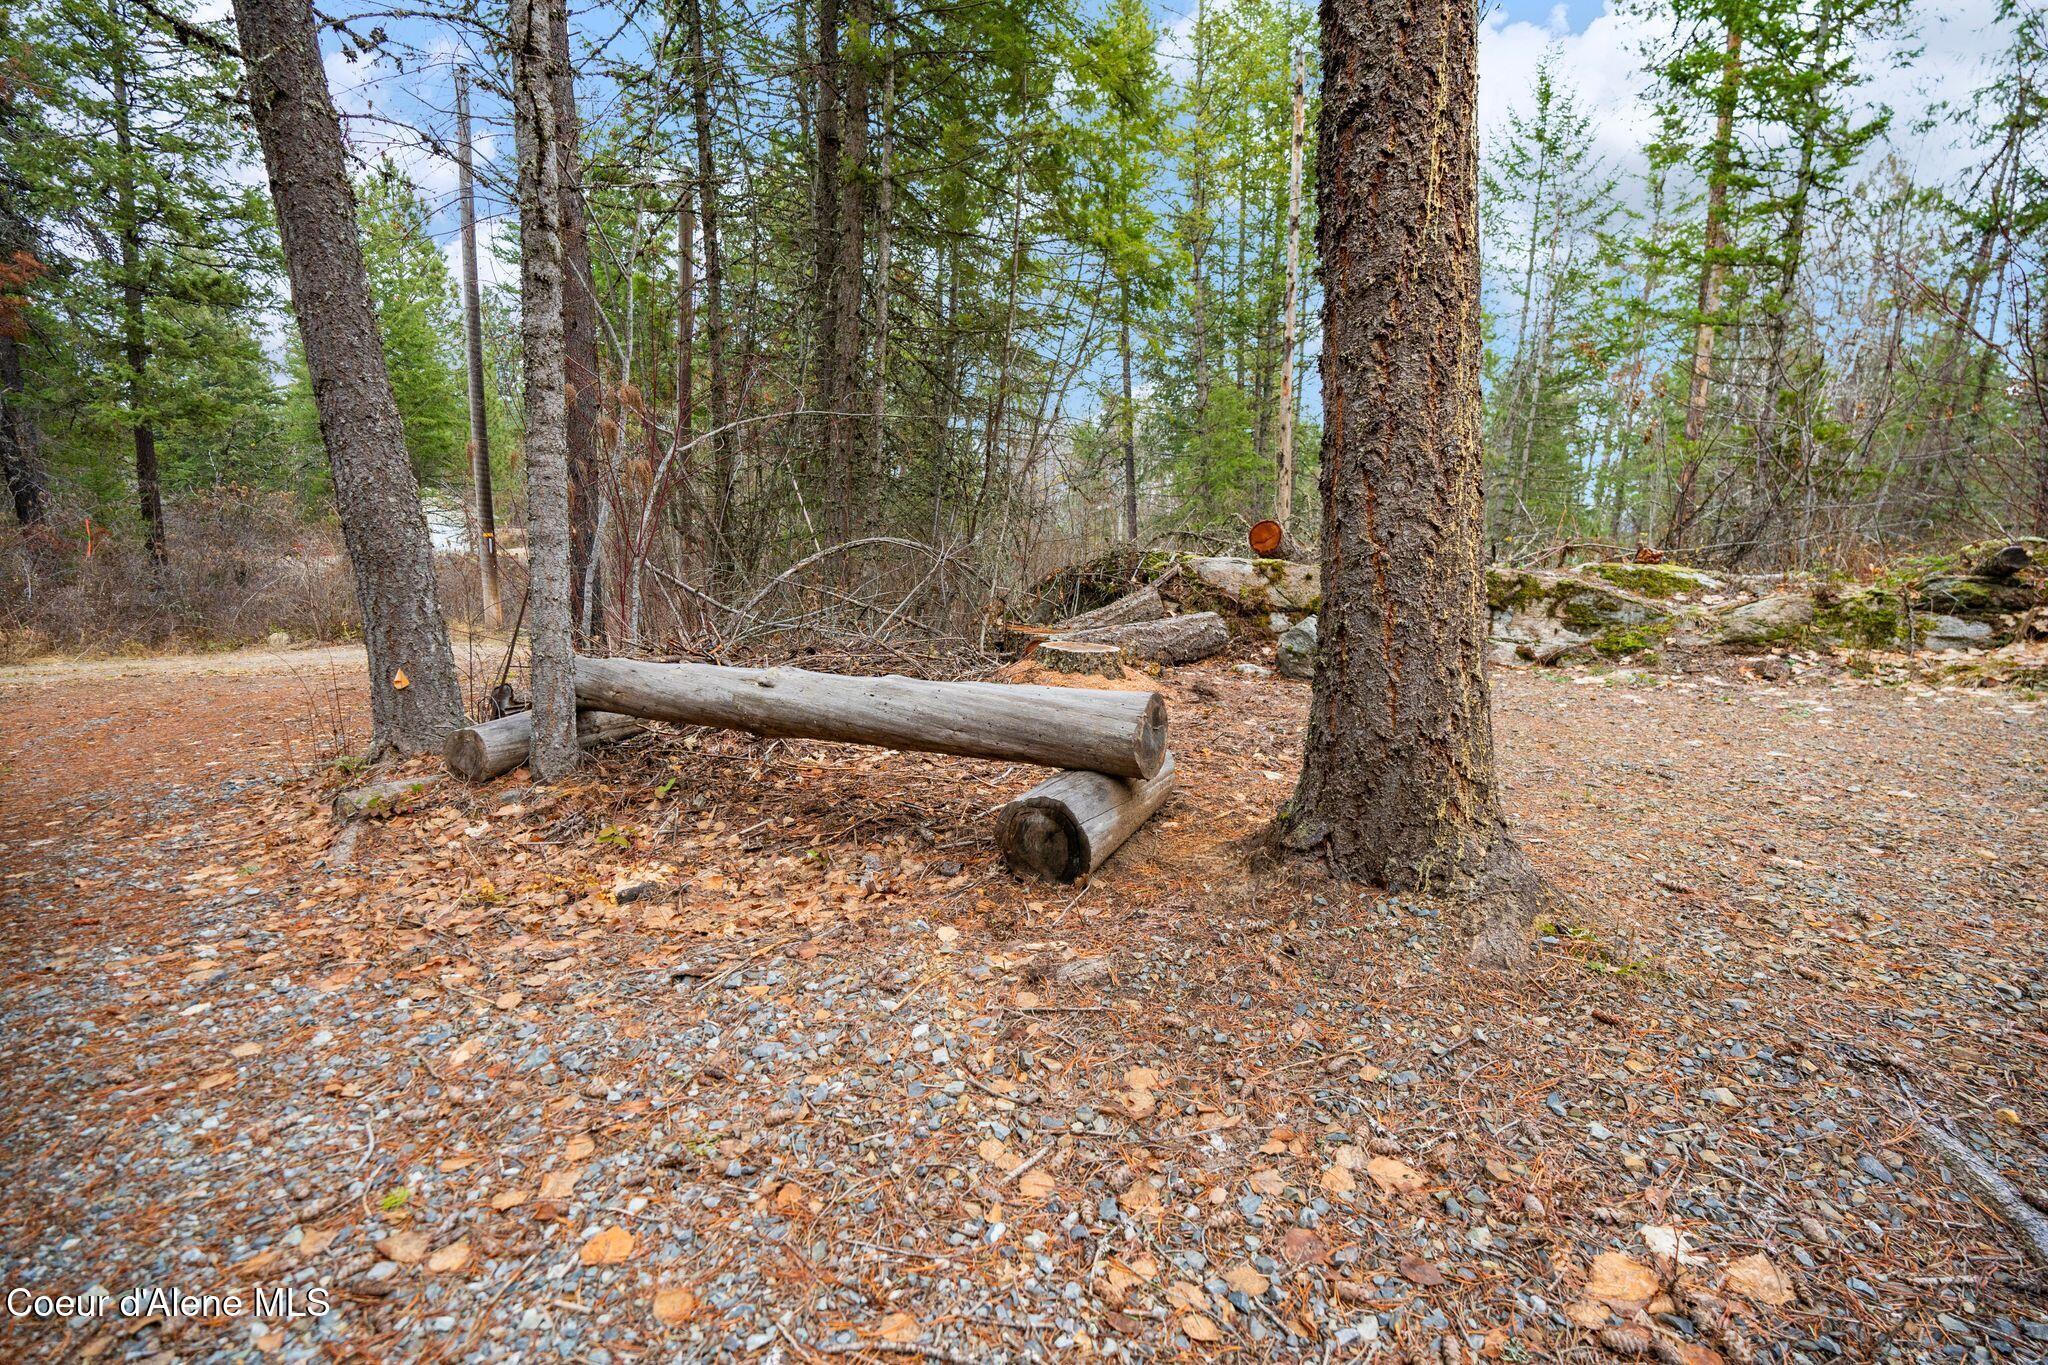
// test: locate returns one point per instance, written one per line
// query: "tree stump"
(1079, 657)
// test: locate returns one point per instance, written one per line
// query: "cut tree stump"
(1174, 640)
(1080, 657)
(381, 799)
(1065, 828)
(1120, 733)
(1143, 605)
(479, 753)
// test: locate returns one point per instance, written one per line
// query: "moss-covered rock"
(1975, 598)
(1870, 617)
(1659, 582)
(1545, 617)
(1618, 641)
(1768, 620)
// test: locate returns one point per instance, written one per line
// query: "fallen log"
(1143, 605)
(479, 753)
(1121, 733)
(1079, 657)
(1063, 829)
(1174, 640)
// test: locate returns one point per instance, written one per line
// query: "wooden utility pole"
(1283, 499)
(473, 344)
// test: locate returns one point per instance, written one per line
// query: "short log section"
(479, 753)
(1080, 657)
(1119, 733)
(1065, 828)
(1173, 640)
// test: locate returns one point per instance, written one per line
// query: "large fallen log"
(1120, 733)
(1064, 828)
(479, 753)
(1143, 605)
(1174, 640)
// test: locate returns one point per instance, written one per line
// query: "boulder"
(1953, 632)
(1261, 585)
(1767, 619)
(1545, 616)
(1297, 650)
(1659, 582)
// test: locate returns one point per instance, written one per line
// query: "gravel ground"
(737, 1049)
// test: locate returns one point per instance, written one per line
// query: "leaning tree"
(415, 697)
(1398, 782)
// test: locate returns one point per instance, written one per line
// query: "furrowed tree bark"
(1121, 733)
(722, 462)
(473, 349)
(1174, 640)
(1398, 779)
(479, 753)
(536, 79)
(1065, 828)
(20, 457)
(375, 491)
(587, 489)
(149, 488)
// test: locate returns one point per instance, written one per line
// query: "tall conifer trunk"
(1398, 783)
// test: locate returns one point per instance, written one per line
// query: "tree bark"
(149, 488)
(587, 483)
(1174, 640)
(1121, 733)
(1063, 829)
(1713, 266)
(1283, 502)
(20, 459)
(479, 753)
(722, 462)
(1398, 780)
(473, 348)
(414, 695)
(1143, 605)
(549, 539)
(1130, 416)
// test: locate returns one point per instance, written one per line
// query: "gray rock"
(1767, 619)
(1297, 657)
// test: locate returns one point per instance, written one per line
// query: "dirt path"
(753, 1048)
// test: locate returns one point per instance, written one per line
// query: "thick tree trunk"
(537, 77)
(1130, 416)
(1398, 780)
(1063, 829)
(414, 695)
(473, 348)
(20, 459)
(587, 483)
(1121, 733)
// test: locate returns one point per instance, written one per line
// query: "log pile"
(1111, 745)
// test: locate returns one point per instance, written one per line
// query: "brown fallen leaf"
(406, 1248)
(898, 1328)
(1621, 1281)
(609, 1247)
(1758, 1278)
(1395, 1176)
(1415, 1270)
(1245, 1279)
(1337, 1180)
(559, 1184)
(510, 1199)
(1036, 1184)
(580, 1147)
(674, 1305)
(454, 1256)
(1198, 1327)
(1267, 1182)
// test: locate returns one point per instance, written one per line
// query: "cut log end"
(1152, 753)
(1043, 840)
(1079, 657)
(467, 755)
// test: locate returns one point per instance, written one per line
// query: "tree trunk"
(1283, 502)
(1121, 733)
(537, 77)
(1063, 829)
(473, 347)
(1130, 417)
(414, 695)
(479, 753)
(587, 483)
(20, 460)
(149, 488)
(722, 464)
(1713, 266)
(1398, 781)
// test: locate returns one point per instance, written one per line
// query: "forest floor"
(732, 1047)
